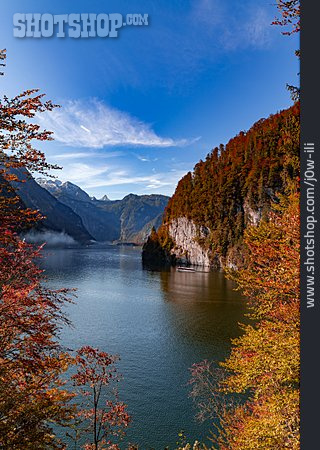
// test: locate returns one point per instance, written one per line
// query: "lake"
(159, 322)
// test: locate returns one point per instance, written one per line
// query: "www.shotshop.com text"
(309, 226)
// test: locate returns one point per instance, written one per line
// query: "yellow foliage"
(265, 361)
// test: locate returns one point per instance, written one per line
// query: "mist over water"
(52, 239)
(159, 322)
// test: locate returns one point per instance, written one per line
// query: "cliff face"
(185, 235)
(235, 186)
(189, 249)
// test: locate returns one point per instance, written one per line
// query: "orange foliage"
(31, 362)
(248, 173)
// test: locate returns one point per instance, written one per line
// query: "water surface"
(159, 322)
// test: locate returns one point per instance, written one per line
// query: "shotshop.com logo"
(74, 25)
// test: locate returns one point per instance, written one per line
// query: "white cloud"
(82, 155)
(92, 124)
(93, 177)
(85, 129)
(71, 155)
(258, 28)
(163, 182)
(208, 13)
(82, 173)
(143, 158)
(227, 26)
(254, 32)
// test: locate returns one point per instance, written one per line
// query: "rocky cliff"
(235, 186)
(185, 235)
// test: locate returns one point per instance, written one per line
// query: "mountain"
(137, 215)
(105, 198)
(102, 225)
(55, 186)
(235, 186)
(58, 216)
(128, 220)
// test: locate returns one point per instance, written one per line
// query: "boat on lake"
(185, 269)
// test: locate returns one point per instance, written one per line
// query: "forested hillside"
(233, 187)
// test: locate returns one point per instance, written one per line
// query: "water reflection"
(159, 322)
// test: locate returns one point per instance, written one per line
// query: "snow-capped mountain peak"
(64, 188)
(50, 184)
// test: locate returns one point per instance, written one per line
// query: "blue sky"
(138, 111)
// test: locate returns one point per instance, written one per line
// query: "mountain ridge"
(127, 220)
(58, 217)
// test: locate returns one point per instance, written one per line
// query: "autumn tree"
(290, 16)
(205, 381)
(32, 397)
(290, 20)
(262, 372)
(264, 363)
(102, 417)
